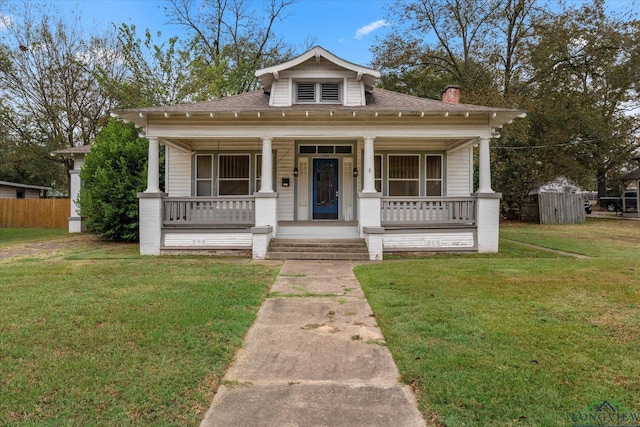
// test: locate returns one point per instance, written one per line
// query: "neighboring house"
(320, 153)
(76, 154)
(12, 190)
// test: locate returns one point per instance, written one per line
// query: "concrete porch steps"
(316, 249)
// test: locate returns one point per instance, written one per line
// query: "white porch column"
(368, 178)
(151, 206)
(369, 204)
(485, 166)
(487, 203)
(266, 183)
(75, 220)
(153, 168)
(266, 205)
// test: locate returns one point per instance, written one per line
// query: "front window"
(434, 175)
(233, 177)
(404, 175)
(204, 175)
(377, 167)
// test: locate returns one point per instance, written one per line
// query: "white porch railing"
(423, 211)
(208, 211)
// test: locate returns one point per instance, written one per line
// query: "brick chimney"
(451, 94)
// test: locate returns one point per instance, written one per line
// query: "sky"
(347, 28)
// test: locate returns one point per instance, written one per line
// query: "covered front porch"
(247, 223)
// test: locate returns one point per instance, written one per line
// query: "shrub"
(114, 171)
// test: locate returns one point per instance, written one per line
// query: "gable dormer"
(317, 77)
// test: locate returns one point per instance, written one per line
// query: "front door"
(325, 189)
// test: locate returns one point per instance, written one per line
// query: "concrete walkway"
(314, 358)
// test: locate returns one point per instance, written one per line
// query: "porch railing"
(422, 211)
(208, 211)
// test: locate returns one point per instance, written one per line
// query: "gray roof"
(27, 186)
(378, 100)
(631, 176)
(81, 149)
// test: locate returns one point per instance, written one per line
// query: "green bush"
(113, 173)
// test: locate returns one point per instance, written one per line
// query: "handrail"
(399, 211)
(208, 211)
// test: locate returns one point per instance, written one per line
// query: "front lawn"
(112, 338)
(520, 337)
(11, 236)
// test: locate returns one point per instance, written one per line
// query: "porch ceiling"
(191, 144)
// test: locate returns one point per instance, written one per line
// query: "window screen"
(404, 175)
(233, 177)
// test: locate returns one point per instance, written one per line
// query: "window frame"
(318, 92)
(219, 179)
(418, 180)
(210, 178)
(426, 176)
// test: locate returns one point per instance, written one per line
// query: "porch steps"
(336, 249)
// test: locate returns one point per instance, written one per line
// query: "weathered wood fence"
(34, 213)
(555, 208)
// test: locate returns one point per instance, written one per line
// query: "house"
(12, 190)
(76, 155)
(630, 180)
(320, 153)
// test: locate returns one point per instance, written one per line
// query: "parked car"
(614, 204)
(587, 206)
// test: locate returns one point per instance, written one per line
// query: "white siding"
(303, 189)
(459, 173)
(346, 198)
(354, 92)
(285, 157)
(428, 240)
(208, 240)
(7, 192)
(280, 93)
(178, 172)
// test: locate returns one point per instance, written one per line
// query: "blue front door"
(325, 189)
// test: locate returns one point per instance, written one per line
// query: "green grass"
(521, 337)
(12, 236)
(108, 337)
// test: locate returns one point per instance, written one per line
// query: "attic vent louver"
(330, 92)
(306, 92)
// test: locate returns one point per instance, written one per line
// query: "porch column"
(485, 166)
(369, 205)
(266, 205)
(151, 206)
(266, 183)
(153, 169)
(368, 178)
(487, 204)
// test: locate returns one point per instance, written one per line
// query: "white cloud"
(363, 31)
(6, 22)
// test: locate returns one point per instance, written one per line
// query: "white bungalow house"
(320, 153)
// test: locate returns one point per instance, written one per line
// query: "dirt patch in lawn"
(50, 247)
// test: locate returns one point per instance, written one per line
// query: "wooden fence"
(555, 208)
(34, 213)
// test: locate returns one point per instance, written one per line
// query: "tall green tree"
(51, 98)
(575, 72)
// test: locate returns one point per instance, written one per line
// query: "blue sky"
(347, 28)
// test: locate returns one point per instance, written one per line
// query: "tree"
(230, 40)
(575, 72)
(113, 173)
(52, 99)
